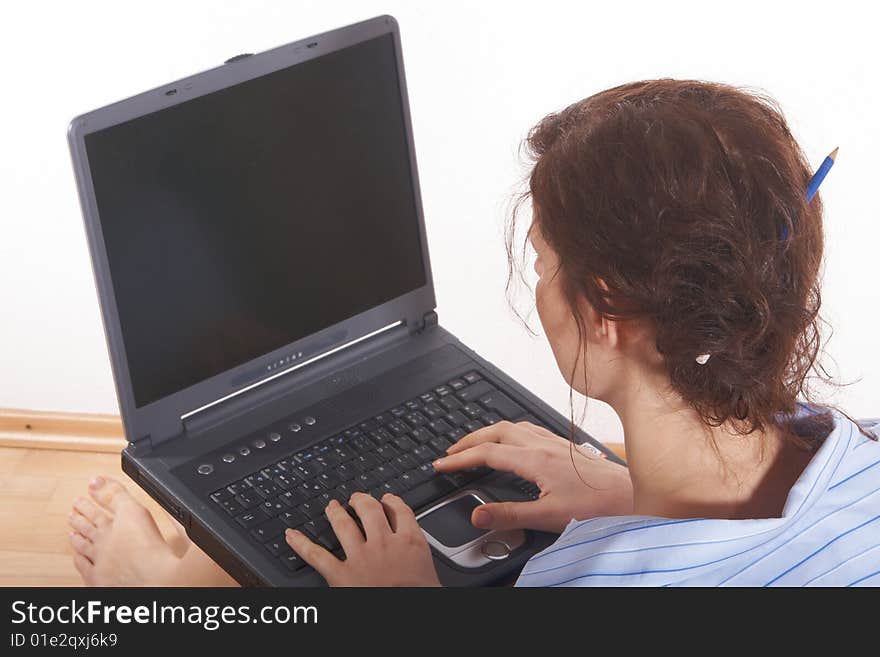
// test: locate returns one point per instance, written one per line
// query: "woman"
(678, 264)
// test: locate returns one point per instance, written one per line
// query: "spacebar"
(428, 491)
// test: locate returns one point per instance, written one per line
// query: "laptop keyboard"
(389, 453)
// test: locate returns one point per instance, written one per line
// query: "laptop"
(259, 252)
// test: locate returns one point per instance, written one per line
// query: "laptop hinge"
(161, 432)
(427, 320)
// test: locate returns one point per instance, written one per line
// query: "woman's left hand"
(394, 551)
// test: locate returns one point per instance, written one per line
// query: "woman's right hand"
(597, 488)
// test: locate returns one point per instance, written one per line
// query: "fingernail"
(439, 461)
(97, 482)
(482, 518)
(291, 533)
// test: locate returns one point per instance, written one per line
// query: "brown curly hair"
(682, 203)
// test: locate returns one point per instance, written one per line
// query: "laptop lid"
(251, 217)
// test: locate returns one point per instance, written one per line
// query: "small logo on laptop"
(285, 361)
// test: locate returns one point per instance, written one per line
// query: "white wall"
(480, 74)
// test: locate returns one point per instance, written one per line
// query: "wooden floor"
(37, 488)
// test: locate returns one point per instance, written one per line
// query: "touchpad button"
(450, 524)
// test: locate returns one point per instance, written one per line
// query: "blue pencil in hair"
(820, 174)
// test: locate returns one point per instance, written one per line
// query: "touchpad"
(450, 524)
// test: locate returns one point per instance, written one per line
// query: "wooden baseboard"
(86, 432)
(53, 430)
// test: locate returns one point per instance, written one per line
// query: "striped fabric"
(828, 535)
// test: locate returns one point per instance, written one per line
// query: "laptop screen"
(243, 220)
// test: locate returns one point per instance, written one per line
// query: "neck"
(682, 468)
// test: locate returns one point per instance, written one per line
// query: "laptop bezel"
(161, 419)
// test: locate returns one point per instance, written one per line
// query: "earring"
(702, 359)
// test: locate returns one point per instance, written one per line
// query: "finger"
(508, 458)
(500, 432)
(400, 515)
(343, 524)
(91, 511)
(371, 514)
(510, 515)
(313, 554)
(80, 524)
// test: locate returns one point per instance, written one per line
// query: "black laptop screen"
(246, 219)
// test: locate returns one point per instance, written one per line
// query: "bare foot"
(116, 541)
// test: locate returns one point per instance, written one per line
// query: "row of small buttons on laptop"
(260, 443)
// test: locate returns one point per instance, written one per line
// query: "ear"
(603, 331)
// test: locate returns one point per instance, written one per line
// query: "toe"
(84, 567)
(82, 525)
(109, 493)
(90, 510)
(81, 545)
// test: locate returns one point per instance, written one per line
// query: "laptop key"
(404, 443)
(405, 462)
(428, 491)
(474, 391)
(457, 418)
(366, 462)
(457, 384)
(450, 402)
(472, 425)
(472, 377)
(367, 480)
(345, 472)
(267, 490)
(232, 507)
(440, 444)
(432, 411)
(502, 404)
(273, 507)
(293, 561)
(385, 472)
(345, 491)
(399, 427)
(237, 487)
(473, 410)
(291, 498)
(490, 418)
(286, 482)
(268, 530)
(249, 499)
(329, 480)
(293, 517)
(407, 481)
(312, 509)
(251, 519)
(381, 436)
(421, 435)
(362, 444)
(221, 495)
(386, 452)
(423, 453)
(416, 420)
(278, 547)
(455, 435)
(439, 426)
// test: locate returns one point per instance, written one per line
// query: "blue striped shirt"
(828, 535)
